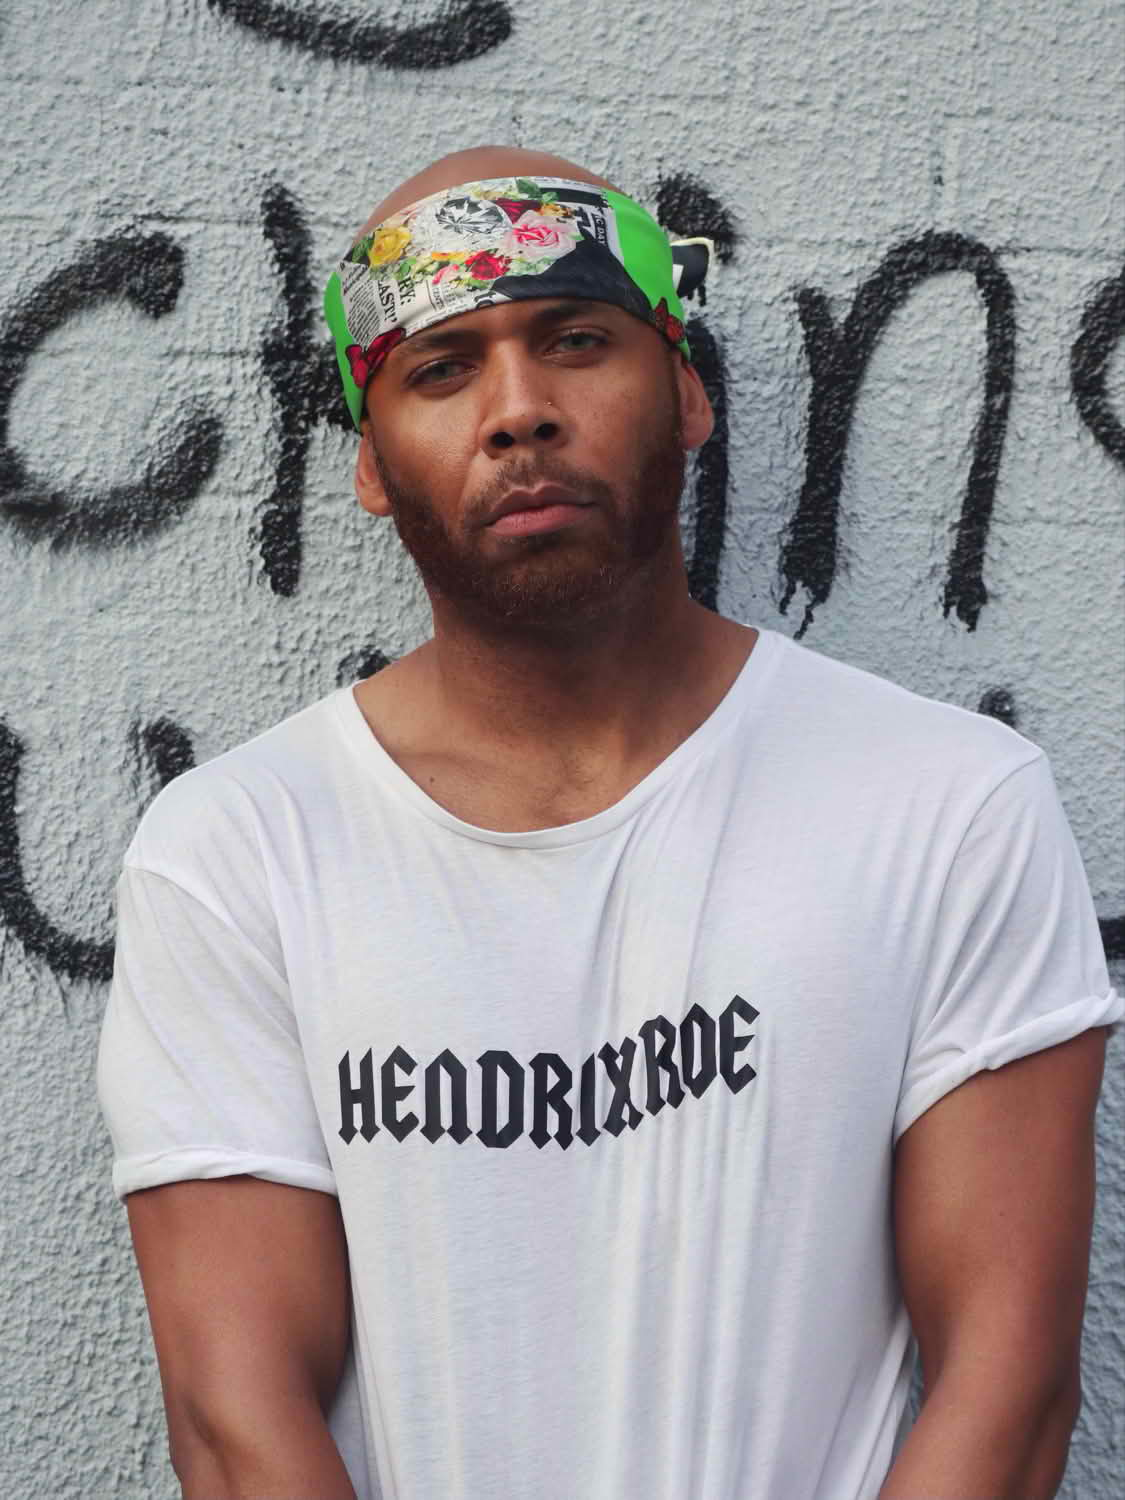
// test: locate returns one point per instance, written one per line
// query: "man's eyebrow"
(449, 336)
(570, 307)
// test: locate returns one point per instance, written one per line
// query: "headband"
(505, 239)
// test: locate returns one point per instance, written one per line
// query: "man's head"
(553, 387)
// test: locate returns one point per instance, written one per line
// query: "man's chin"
(549, 579)
(530, 595)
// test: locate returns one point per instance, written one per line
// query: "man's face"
(580, 396)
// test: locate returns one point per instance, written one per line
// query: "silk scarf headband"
(503, 239)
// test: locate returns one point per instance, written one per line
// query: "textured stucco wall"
(916, 338)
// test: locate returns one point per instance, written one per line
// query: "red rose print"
(485, 266)
(381, 346)
(355, 358)
(364, 362)
(515, 207)
(669, 326)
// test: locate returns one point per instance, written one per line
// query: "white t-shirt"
(609, 1107)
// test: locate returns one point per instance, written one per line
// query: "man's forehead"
(476, 164)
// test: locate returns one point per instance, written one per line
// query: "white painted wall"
(833, 133)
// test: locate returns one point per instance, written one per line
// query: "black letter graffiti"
(837, 362)
(457, 33)
(685, 207)
(76, 957)
(711, 470)
(305, 383)
(1103, 323)
(288, 361)
(147, 270)
(169, 750)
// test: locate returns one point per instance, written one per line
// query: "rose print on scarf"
(527, 228)
(670, 327)
(364, 362)
(534, 236)
(516, 207)
(470, 246)
(486, 266)
(387, 244)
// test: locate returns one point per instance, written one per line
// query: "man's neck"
(598, 692)
(517, 730)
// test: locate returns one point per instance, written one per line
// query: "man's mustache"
(526, 474)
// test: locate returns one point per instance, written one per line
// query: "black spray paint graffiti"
(148, 271)
(365, 661)
(838, 359)
(64, 955)
(303, 379)
(306, 388)
(457, 33)
(167, 750)
(687, 207)
(291, 370)
(998, 703)
(711, 470)
(1103, 325)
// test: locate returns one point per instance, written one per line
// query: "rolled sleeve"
(1016, 963)
(200, 1071)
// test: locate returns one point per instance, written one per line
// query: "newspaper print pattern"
(439, 256)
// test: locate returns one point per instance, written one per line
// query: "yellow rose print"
(387, 245)
(559, 210)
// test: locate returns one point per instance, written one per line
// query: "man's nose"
(518, 410)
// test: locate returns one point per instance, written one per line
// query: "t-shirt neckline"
(746, 689)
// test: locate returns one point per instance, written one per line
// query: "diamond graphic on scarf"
(474, 216)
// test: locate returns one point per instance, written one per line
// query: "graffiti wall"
(914, 342)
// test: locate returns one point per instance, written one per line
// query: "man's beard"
(554, 577)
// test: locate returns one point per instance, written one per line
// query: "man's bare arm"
(994, 1203)
(246, 1283)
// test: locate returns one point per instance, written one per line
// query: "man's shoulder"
(858, 720)
(219, 809)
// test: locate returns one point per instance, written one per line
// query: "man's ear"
(368, 481)
(697, 420)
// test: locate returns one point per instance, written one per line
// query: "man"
(571, 1062)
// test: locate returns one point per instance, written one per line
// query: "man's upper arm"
(993, 1213)
(247, 1288)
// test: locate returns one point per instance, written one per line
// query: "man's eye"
(438, 369)
(580, 333)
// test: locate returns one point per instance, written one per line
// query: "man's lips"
(540, 509)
